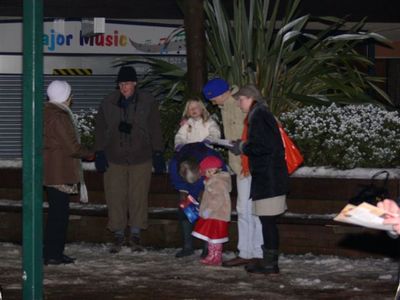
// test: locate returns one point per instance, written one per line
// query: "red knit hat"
(210, 162)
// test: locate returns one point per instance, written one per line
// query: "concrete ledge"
(299, 233)
(307, 227)
(166, 213)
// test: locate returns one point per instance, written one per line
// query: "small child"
(196, 125)
(215, 209)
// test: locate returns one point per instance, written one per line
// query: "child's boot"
(214, 257)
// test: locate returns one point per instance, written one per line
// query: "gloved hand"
(101, 162)
(236, 147)
(158, 162)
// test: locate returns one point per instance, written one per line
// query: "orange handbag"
(292, 154)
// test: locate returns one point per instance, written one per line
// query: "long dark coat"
(266, 154)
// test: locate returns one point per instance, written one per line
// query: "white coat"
(194, 131)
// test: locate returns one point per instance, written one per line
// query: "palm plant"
(289, 65)
(165, 80)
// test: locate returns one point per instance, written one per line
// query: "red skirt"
(211, 230)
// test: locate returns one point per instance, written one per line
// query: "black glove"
(236, 147)
(158, 162)
(101, 162)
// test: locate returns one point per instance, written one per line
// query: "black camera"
(125, 127)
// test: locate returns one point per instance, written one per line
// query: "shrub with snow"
(85, 121)
(346, 137)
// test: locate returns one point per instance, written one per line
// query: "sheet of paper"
(365, 215)
(222, 142)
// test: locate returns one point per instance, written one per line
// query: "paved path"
(159, 275)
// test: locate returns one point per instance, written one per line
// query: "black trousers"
(186, 228)
(270, 232)
(57, 224)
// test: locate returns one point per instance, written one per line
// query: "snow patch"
(310, 172)
(307, 282)
(159, 271)
(356, 173)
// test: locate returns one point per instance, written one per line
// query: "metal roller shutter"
(88, 91)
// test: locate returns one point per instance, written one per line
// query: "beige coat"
(62, 151)
(232, 119)
(216, 201)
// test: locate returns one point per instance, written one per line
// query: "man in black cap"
(128, 137)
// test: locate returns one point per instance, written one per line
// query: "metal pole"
(32, 260)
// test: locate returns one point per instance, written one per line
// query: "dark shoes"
(184, 252)
(64, 260)
(237, 261)
(117, 244)
(190, 251)
(134, 244)
(68, 260)
(268, 265)
(260, 268)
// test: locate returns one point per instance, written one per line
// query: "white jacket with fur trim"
(196, 131)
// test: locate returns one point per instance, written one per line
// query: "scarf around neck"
(244, 158)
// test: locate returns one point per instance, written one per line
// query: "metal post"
(32, 149)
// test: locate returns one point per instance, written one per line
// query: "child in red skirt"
(215, 209)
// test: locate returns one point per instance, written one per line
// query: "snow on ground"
(157, 274)
(356, 173)
(311, 172)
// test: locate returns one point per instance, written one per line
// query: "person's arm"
(65, 131)
(176, 180)
(392, 215)
(261, 134)
(214, 131)
(180, 137)
(100, 129)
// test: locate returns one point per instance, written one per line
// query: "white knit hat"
(58, 91)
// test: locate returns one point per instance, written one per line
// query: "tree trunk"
(195, 45)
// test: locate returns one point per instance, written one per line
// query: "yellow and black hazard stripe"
(72, 72)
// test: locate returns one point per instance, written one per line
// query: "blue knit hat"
(215, 87)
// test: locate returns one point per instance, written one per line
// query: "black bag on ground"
(373, 192)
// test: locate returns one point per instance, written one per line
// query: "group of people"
(129, 144)
(256, 157)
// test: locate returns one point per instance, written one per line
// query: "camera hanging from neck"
(125, 127)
